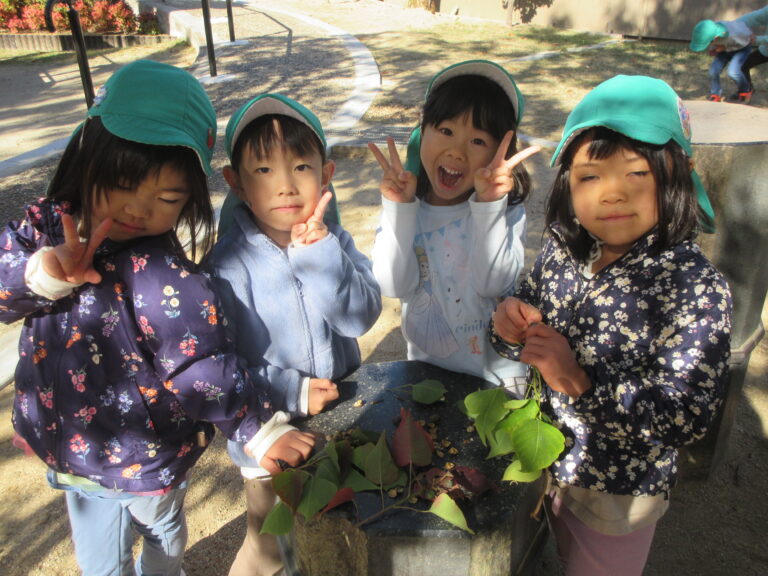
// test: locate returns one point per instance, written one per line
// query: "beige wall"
(650, 18)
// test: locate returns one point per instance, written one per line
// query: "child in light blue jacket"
(297, 290)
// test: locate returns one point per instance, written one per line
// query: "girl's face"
(613, 198)
(150, 209)
(281, 190)
(451, 153)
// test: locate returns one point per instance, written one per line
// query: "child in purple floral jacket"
(124, 364)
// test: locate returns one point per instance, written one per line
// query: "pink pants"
(586, 552)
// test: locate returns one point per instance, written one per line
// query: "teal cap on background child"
(485, 68)
(706, 31)
(269, 104)
(641, 108)
(175, 110)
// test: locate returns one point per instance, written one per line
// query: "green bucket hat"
(641, 108)
(706, 31)
(269, 104)
(485, 68)
(153, 103)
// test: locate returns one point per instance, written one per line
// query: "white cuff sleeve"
(42, 283)
(263, 441)
(304, 396)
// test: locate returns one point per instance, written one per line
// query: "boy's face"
(281, 190)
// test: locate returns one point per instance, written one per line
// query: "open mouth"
(449, 178)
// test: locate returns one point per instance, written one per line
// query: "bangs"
(126, 164)
(489, 105)
(268, 132)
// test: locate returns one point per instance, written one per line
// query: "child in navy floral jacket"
(626, 320)
(124, 363)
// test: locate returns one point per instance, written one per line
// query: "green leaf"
(486, 408)
(317, 493)
(358, 482)
(360, 454)
(278, 521)
(448, 510)
(516, 404)
(528, 411)
(500, 443)
(379, 466)
(537, 444)
(328, 468)
(411, 444)
(428, 391)
(514, 473)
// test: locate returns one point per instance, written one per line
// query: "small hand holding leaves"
(292, 448)
(496, 180)
(397, 184)
(314, 228)
(72, 261)
(544, 348)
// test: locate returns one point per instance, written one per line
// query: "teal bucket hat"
(641, 108)
(264, 105)
(485, 68)
(706, 31)
(158, 104)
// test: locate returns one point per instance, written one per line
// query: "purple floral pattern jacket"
(122, 381)
(653, 335)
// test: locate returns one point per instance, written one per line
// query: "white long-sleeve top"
(449, 266)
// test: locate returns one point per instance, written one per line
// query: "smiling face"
(152, 208)
(451, 152)
(613, 198)
(281, 189)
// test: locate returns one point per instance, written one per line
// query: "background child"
(124, 360)
(625, 318)
(298, 289)
(452, 223)
(730, 43)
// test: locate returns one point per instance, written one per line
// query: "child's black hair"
(491, 111)
(675, 192)
(95, 161)
(271, 130)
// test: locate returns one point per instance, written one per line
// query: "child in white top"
(450, 242)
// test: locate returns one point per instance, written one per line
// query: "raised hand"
(292, 448)
(314, 228)
(496, 180)
(397, 184)
(512, 318)
(321, 393)
(72, 261)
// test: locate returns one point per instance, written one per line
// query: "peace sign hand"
(314, 228)
(72, 261)
(397, 184)
(496, 180)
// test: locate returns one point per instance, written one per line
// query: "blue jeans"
(103, 524)
(734, 61)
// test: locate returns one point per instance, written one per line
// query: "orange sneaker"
(745, 97)
(715, 98)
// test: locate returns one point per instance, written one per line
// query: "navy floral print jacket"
(653, 334)
(119, 381)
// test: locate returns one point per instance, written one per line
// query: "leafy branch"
(516, 426)
(358, 461)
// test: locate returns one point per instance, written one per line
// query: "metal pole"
(209, 37)
(82, 55)
(231, 21)
(77, 35)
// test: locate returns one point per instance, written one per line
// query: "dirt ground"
(714, 527)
